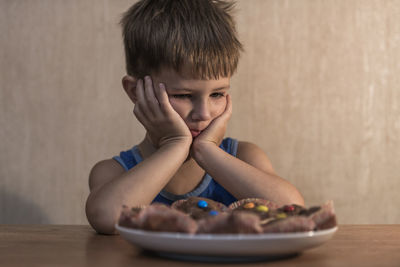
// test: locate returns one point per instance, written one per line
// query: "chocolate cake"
(198, 215)
(129, 216)
(292, 210)
(199, 207)
(266, 210)
(253, 204)
(158, 217)
(231, 223)
(289, 225)
(324, 216)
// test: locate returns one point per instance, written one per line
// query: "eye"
(182, 96)
(217, 95)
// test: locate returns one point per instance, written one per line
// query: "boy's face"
(198, 102)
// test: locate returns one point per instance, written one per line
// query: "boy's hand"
(215, 131)
(162, 122)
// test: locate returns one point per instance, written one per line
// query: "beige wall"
(317, 89)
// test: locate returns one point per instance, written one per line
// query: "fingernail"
(161, 86)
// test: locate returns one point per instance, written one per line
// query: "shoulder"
(255, 156)
(103, 172)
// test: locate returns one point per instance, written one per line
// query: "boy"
(180, 56)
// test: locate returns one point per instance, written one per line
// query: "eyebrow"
(190, 90)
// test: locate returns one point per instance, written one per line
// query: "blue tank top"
(207, 188)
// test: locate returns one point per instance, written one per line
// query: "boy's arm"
(171, 137)
(248, 175)
(138, 186)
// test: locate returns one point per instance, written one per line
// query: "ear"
(129, 84)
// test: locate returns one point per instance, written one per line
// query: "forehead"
(184, 80)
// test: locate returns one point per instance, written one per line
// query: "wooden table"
(79, 245)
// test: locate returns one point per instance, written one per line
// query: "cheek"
(219, 107)
(179, 107)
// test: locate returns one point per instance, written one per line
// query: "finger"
(141, 103)
(151, 99)
(163, 99)
(228, 109)
(139, 114)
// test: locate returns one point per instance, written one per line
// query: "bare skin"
(185, 120)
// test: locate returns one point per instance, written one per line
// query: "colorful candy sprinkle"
(202, 204)
(281, 215)
(288, 208)
(213, 213)
(249, 205)
(262, 208)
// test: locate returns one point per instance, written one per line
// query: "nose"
(201, 111)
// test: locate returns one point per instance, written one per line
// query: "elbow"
(292, 197)
(99, 219)
(299, 202)
(297, 198)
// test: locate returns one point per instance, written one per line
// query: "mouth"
(195, 133)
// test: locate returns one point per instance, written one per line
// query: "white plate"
(212, 246)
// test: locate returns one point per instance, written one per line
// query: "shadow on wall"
(17, 210)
